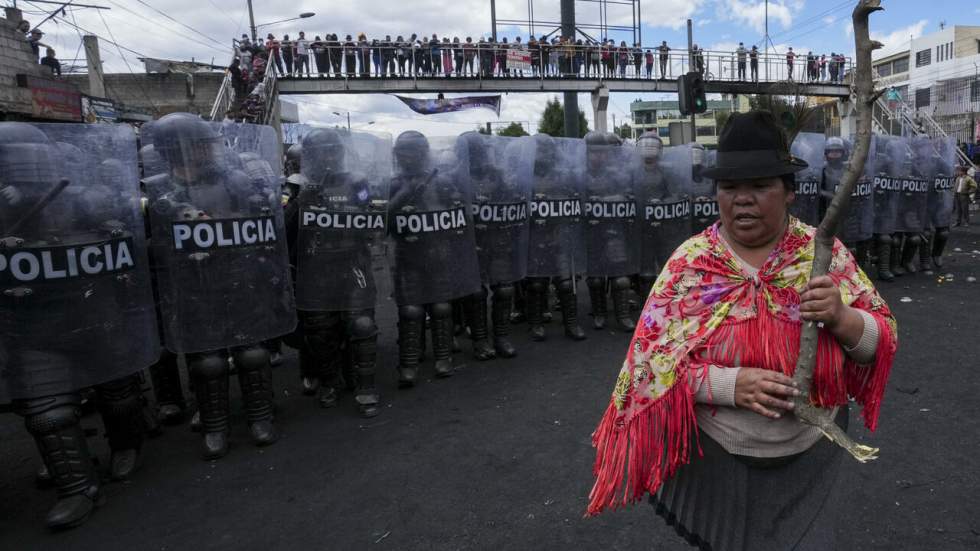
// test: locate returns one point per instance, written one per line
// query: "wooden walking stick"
(865, 97)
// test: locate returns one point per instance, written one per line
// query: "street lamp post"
(348, 118)
(254, 27)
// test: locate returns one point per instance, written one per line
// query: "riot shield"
(76, 307)
(430, 222)
(609, 211)
(556, 247)
(808, 146)
(687, 163)
(219, 242)
(913, 206)
(941, 193)
(858, 222)
(662, 184)
(892, 160)
(339, 218)
(500, 175)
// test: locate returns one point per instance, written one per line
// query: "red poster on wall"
(53, 99)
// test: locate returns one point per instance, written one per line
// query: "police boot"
(411, 323)
(925, 254)
(442, 338)
(167, 389)
(597, 296)
(895, 259)
(324, 359)
(503, 297)
(518, 312)
(209, 372)
(255, 380)
(459, 321)
(54, 423)
(883, 244)
(909, 252)
(308, 371)
(476, 314)
(939, 240)
(568, 301)
(621, 303)
(364, 353)
(121, 406)
(535, 297)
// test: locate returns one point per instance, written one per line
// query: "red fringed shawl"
(645, 433)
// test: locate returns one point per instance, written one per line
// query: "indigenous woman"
(702, 413)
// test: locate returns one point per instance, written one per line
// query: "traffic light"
(690, 93)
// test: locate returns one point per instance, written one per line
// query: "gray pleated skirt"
(725, 502)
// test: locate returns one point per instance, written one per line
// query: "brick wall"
(159, 93)
(16, 57)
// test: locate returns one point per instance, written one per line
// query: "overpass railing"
(564, 62)
(226, 92)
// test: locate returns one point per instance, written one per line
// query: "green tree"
(553, 120)
(514, 130)
(625, 131)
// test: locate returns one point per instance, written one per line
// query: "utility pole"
(690, 66)
(571, 98)
(251, 21)
(348, 121)
(493, 19)
(96, 78)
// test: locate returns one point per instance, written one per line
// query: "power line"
(178, 33)
(138, 83)
(181, 24)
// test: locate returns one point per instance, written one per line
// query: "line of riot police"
(104, 273)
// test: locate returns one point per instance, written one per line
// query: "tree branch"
(863, 89)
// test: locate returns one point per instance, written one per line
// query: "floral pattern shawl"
(645, 433)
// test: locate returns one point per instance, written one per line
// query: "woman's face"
(753, 211)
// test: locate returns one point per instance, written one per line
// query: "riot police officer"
(857, 228)
(611, 230)
(704, 206)
(912, 220)
(500, 193)
(810, 147)
(556, 247)
(435, 261)
(892, 161)
(222, 267)
(663, 205)
(332, 224)
(75, 303)
(941, 198)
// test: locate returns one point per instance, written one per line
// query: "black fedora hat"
(752, 145)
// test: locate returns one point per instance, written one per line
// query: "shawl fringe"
(866, 383)
(635, 457)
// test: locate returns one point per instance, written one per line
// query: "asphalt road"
(498, 457)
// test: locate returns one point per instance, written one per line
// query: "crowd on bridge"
(330, 56)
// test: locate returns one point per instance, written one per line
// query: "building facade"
(657, 116)
(939, 76)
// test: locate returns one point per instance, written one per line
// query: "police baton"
(48, 197)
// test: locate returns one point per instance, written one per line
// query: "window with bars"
(923, 58)
(900, 65)
(923, 97)
(884, 70)
(975, 91)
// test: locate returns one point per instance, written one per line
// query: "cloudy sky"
(202, 30)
